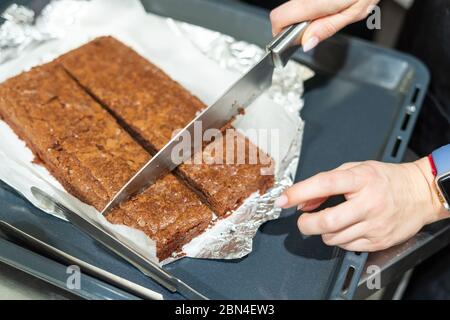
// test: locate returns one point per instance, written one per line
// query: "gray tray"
(362, 104)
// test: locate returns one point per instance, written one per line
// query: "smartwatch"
(440, 163)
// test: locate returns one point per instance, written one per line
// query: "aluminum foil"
(227, 238)
(240, 56)
(18, 32)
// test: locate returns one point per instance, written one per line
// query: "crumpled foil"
(18, 32)
(230, 237)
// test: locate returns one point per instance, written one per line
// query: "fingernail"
(310, 44)
(281, 201)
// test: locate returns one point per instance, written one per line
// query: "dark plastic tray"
(57, 274)
(362, 104)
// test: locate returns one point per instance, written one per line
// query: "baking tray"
(57, 274)
(362, 104)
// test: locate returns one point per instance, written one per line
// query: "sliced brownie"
(85, 149)
(167, 211)
(147, 100)
(230, 170)
(152, 106)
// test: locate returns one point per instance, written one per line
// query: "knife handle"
(286, 43)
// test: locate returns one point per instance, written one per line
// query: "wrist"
(436, 210)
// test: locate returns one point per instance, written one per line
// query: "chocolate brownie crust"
(74, 136)
(152, 106)
(181, 215)
(85, 149)
(230, 169)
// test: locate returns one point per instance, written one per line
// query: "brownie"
(152, 106)
(230, 170)
(92, 156)
(77, 140)
(168, 212)
(147, 100)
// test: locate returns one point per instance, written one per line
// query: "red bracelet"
(433, 166)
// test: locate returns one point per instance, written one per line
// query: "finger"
(312, 205)
(295, 11)
(322, 185)
(331, 220)
(345, 236)
(323, 28)
(359, 245)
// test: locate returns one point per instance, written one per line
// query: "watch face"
(444, 185)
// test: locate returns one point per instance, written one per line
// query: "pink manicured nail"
(311, 43)
(281, 201)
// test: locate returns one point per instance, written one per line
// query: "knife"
(238, 97)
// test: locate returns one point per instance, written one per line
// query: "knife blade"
(238, 97)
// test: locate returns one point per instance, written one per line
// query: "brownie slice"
(228, 171)
(168, 212)
(147, 100)
(85, 149)
(152, 106)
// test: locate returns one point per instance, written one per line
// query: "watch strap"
(441, 160)
(433, 167)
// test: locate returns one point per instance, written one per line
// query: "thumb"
(323, 28)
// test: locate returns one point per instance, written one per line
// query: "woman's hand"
(327, 16)
(386, 204)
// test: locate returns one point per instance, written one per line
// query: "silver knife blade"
(238, 97)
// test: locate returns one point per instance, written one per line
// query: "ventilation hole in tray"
(396, 147)
(406, 121)
(415, 95)
(348, 279)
